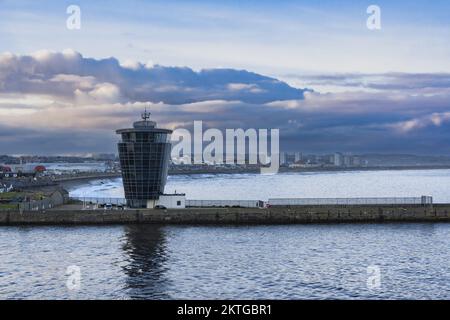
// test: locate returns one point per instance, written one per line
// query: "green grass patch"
(8, 206)
(10, 195)
(37, 196)
(30, 195)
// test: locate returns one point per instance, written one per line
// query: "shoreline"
(312, 169)
(70, 185)
(74, 182)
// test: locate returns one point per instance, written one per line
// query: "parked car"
(160, 206)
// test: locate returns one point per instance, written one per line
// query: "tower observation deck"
(144, 152)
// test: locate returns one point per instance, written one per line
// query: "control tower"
(144, 153)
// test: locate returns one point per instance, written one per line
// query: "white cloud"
(131, 64)
(106, 92)
(435, 119)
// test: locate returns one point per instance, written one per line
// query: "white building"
(338, 159)
(169, 201)
(282, 158)
(347, 161)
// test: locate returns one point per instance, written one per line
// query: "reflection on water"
(145, 246)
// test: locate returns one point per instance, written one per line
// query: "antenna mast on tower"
(146, 115)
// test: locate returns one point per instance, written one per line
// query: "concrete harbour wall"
(274, 215)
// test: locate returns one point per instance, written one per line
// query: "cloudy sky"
(310, 68)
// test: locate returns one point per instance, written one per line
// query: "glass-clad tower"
(144, 153)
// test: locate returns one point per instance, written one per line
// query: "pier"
(245, 216)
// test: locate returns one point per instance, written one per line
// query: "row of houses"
(15, 170)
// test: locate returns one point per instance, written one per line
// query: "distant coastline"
(305, 169)
(75, 181)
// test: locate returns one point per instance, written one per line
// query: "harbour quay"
(274, 215)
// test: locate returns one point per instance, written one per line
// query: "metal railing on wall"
(350, 201)
(101, 201)
(423, 200)
(225, 203)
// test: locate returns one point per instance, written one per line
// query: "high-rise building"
(338, 159)
(144, 153)
(347, 161)
(283, 160)
(357, 161)
(298, 157)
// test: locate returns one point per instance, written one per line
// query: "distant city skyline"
(311, 69)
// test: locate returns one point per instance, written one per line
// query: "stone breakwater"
(274, 215)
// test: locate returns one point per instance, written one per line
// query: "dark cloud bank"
(66, 103)
(50, 73)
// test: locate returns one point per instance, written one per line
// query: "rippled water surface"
(282, 262)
